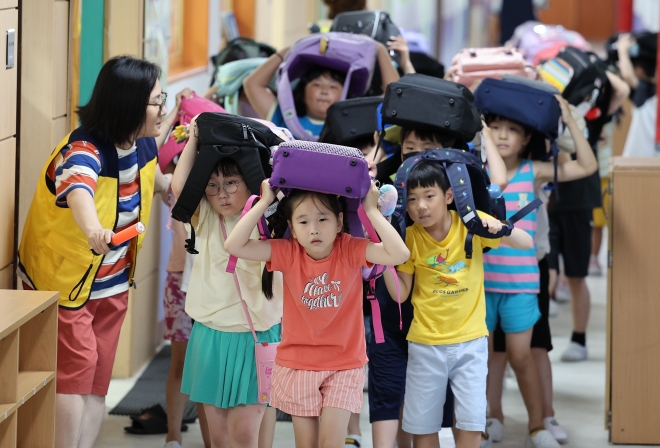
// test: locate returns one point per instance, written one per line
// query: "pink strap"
(373, 236)
(261, 225)
(238, 286)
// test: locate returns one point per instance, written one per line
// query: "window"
(189, 30)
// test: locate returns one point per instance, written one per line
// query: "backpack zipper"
(252, 134)
(245, 136)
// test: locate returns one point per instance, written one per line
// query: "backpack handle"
(261, 225)
(373, 236)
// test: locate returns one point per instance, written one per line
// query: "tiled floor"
(579, 395)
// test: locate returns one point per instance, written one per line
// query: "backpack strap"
(261, 225)
(238, 286)
(375, 307)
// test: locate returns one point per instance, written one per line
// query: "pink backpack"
(474, 64)
(190, 107)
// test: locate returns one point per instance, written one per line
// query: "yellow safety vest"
(54, 252)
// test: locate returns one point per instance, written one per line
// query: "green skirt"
(220, 368)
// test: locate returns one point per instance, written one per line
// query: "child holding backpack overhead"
(319, 368)
(511, 274)
(220, 369)
(447, 337)
(315, 92)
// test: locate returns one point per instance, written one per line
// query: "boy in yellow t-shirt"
(447, 338)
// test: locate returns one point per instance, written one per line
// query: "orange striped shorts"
(304, 393)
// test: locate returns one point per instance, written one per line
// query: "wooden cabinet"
(28, 356)
(594, 19)
(633, 355)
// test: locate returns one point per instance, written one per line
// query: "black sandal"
(152, 420)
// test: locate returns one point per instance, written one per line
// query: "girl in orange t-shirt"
(319, 368)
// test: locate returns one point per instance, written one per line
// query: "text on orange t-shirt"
(322, 325)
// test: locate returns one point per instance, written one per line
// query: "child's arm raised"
(387, 70)
(519, 239)
(256, 88)
(239, 243)
(496, 166)
(186, 160)
(392, 251)
(585, 163)
(405, 284)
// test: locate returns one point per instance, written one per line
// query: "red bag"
(190, 107)
(474, 64)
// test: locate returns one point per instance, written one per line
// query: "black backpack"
(349, 120)
(223, 136)
(469, 182)
(588, 78)
(424, 102)
(376, 24)
(240, 48)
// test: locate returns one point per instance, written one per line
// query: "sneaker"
(595, 269)
(574, 353)
(542, 439)
(562, 294)
(352, 441)
(486, 441)
(173, 444)
(553, 308)
(557, 431)
(495, 429)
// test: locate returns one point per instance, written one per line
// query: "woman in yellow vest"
(100, 179)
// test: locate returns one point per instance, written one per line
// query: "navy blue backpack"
(531, 103)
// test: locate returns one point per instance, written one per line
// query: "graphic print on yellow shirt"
(448, 293)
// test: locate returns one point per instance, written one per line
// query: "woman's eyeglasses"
(160, 103)
(230, 187)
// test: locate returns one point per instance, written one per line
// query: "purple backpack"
(533, 38)
(353, 54)
(332, 169)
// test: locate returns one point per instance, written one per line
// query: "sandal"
(152, 420)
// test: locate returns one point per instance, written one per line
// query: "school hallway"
(579, 395)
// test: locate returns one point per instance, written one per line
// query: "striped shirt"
(509, 270)
(78, 166)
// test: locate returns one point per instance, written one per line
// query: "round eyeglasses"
(160, 103)
(230, 187)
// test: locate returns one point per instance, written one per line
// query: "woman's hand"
(370, 201)
(99, 240)
(399, 44)
(188, 93)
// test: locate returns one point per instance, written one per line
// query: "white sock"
(355, 437)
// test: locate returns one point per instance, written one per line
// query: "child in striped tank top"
(511, 276)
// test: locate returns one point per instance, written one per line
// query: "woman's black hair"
(118, 106)
(446, 140)
(279, 221)
(311, 74)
